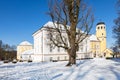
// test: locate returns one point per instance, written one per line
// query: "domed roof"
(93, 38)
(25, 43)
(100, 23)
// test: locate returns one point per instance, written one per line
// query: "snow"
(25, 43)
(94, 69)
(54, 25)
(93, 38)
(49, 23)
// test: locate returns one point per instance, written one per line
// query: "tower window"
(104, 27)
(102, 33)
(98, 27)
(101, 27)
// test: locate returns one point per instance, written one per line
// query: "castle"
(92, 46)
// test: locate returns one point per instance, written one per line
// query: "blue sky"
(19, 19)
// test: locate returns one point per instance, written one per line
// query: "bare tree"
(80, 20)
(0, 43)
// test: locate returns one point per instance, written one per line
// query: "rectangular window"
(65, 40)
(51, 58)
(94, 46)
(97, 46)
(58, 49)
(58, 58)
(81, 49)
(65, 50)
(50, 48)
(65, 57)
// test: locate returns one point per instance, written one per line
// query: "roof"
(54, 25)
(100, 23)
(49, 23)
(108, 50)
(93, 38)
(25, 43)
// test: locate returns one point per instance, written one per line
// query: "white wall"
(38, 43)
(42, 49)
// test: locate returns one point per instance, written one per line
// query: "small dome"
(93, 38)
(25, 43)
(100, 23)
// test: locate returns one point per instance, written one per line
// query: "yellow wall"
(21, 49)
(95, 48)
(108, 53)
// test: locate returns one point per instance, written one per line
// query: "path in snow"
(94, 69)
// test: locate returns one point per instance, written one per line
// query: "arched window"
(101, 27)
(98, 27)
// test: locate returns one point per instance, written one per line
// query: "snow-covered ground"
(94, 69)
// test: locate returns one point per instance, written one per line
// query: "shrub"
(29, 60)
(6, 61)
(54, 60)
(108, 57)
(14, 61)
(20, 60)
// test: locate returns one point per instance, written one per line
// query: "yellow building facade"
(23, 46)
(109, 53)
(95, 48)
(98, 48)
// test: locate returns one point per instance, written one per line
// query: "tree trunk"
(113, 55)
(73, 60)
(69, 62)
(72, 57)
